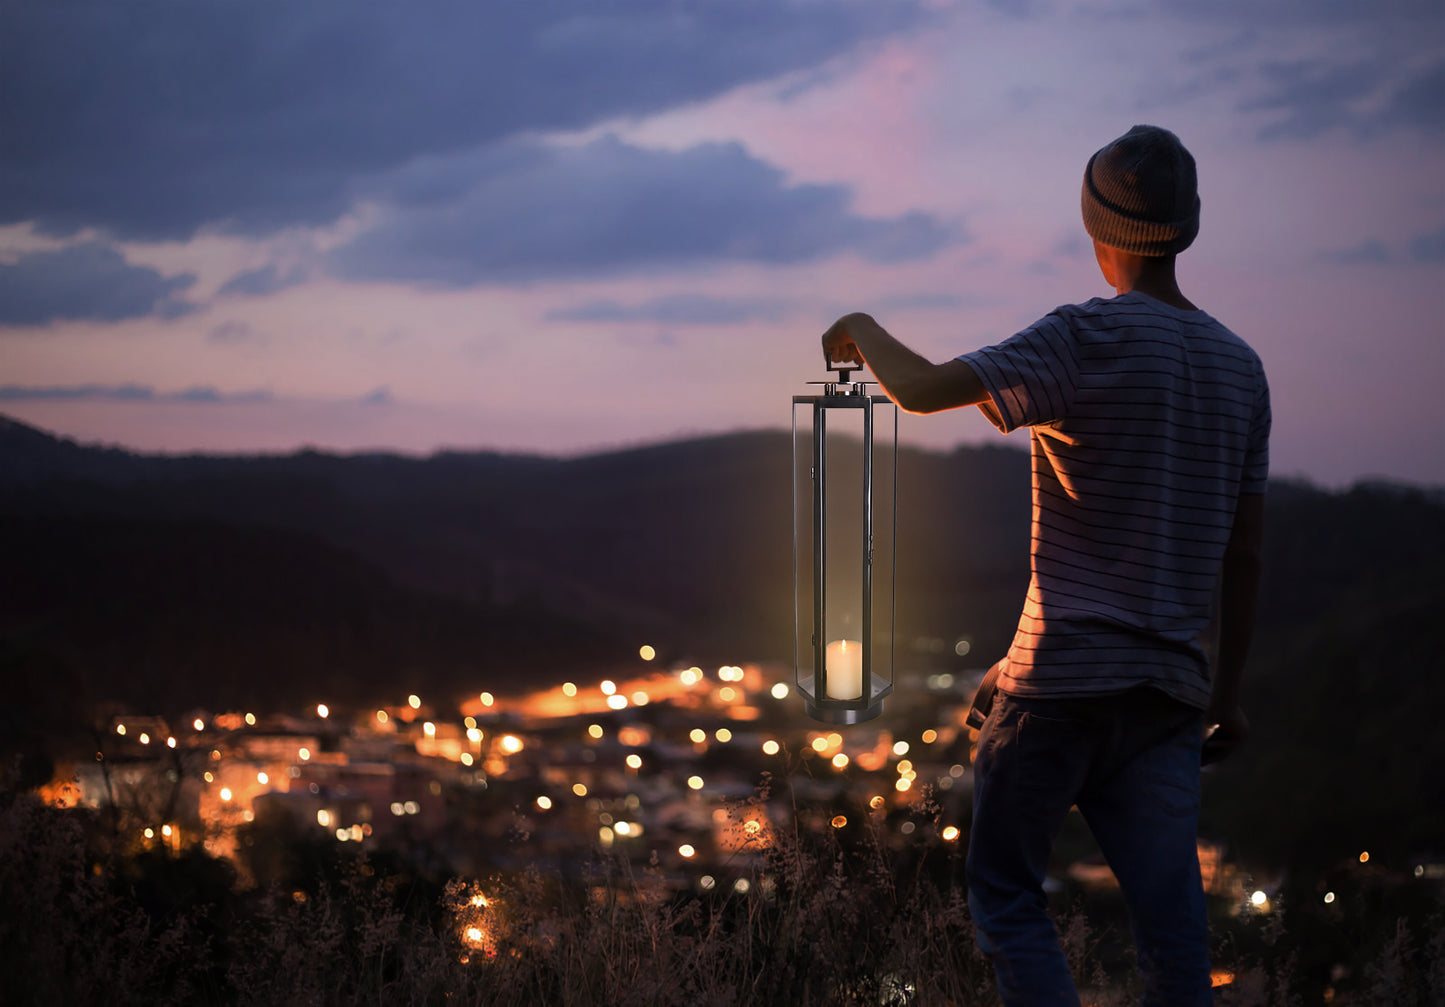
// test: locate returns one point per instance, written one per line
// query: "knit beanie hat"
(1141, 194)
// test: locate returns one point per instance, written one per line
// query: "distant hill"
(164, 582)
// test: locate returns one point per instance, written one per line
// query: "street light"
(845, 480)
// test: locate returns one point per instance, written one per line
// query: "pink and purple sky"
(568, 225)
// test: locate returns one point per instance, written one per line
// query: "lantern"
(845, 477)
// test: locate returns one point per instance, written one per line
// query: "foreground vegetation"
(828, 917)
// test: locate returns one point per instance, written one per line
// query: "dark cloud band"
(90, 282)
(150, 120)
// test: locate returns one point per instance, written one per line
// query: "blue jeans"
(1131, 764)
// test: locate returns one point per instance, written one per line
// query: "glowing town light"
(414, 701)
(469, 722)
(640, 698)
(474, 735)
(580, 789)
(381, 717)
(752, 827)
(698, 735)
(900, 748)
(608, 687)
(262, 778)
(741, 886)
(839, 821)
(411, 808)
(634, 761)
(198, 724)
(145, 739)
(617, 702)
(511, 744)
(342, 835)
(707, 882)
(208, 776)
(150, 833)
(770, 747)
(905, 766)
(487, 698)
(466, 758)
(930, 736)
(250, 719)
(1329, 898)
(1259, 898)
(686, 850)
(479, 900)
(902, 784)
(594, 731)
(323, 711)
(166, 831)
(723, 734)
(646, 652)
(727, 694)
(170, 742)
(120, 729)
(544, 802)
(569, 689)
(323, 817)
(875, 802)
(840, 761)
(429, 729)
(950, 833)
(690, 676)
(303, 754)
(606, 836)
(1364, 857)
(780, 691)
(695, 782)
(474, 934)
(820, 745)
(397, 808)
(225, 793)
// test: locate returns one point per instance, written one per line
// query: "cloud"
(1428, 247)
(1362, 96)
(150, 121)
(532, 212)
(90, 281)
(231, 332)
(127, 393)
(260, 282)
(677, 309)
(1367, 253)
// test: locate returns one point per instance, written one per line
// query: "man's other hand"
(1225, 735)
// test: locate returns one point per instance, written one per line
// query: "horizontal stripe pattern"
(1147, 424)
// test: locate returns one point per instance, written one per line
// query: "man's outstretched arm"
(917, 384)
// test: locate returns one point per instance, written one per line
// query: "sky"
(563, 226)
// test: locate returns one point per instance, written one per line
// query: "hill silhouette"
(165, 583)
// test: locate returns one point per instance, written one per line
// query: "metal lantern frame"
(876, 575)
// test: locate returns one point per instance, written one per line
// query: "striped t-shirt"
(1147, 422)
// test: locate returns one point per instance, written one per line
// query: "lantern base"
(845, 711)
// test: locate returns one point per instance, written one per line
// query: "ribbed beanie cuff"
(1141, 194)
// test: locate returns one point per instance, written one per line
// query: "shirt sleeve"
(1031, 376)
(1255, 475)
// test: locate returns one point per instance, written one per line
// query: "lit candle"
(845, 669)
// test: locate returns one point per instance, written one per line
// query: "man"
(1149, 425)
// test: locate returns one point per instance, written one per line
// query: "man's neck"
(1151, 276)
